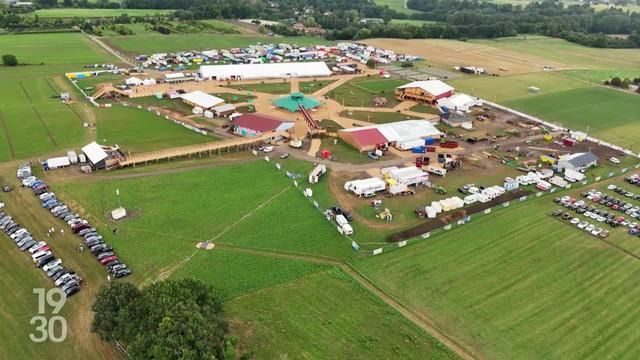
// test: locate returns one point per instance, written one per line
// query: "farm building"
(293, 102)
(176, 77)
(578, 161)
(201, 99)
(252, 124)
(264, 71)
(96, 155)
(455, 119)
(459, 102)
(429, 91)
(133, 81)
(223, 110)
(398, 133)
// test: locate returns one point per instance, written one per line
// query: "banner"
(425, 235)
(266, 158)
(460, 222)
(568, 186)
(254, 152)
(506, 204)
(295, 183)
(278, 166)
(611, 174)
(377, 251)
(624, 170)
(598, 178)
(487, 211)
(448, 227)
(585, 182)
(315, 204)
(402, 243)
(355, 245)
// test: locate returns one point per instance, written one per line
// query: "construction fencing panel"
(377, 251)
(402, 243)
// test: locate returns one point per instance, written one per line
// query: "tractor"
(440, 190)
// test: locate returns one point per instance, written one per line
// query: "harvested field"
(455, 53)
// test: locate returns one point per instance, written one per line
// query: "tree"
(616, 81)
(180, 319)
(371, 64)
(9, 60)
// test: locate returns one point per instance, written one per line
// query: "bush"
(9, 60)
(616, 81)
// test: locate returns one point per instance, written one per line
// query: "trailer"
(365, 187)
(558, 181)
(449, 144)
(315, 174)
(543, 185)
(573, 176)
(431, 213)
(341, 220)
(470, 199)
(406, 145)
(437, 170)
(73, 157)
(409, 176)
(399, 189)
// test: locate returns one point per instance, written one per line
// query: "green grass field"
(308, 87)
(270, 88)
(608, 114)
(361, 91)
(600, 76)
(570, 54)
(327, 315)
(138, 130)
(96, 13)
(150, 43)
(413, 22)
(397, 5)
(519, 284)
(78, 49)
(374, 117)
(210, 205)
(504, 88)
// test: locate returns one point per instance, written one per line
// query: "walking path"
(110, 50)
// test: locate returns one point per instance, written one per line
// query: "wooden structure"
(110, 91)
(213, 147)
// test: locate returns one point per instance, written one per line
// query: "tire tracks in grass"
(6, 135)
(24, 91)
(46, 128)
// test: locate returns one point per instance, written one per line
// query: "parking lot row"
(79, 226)
(41, 255)
(581, 224)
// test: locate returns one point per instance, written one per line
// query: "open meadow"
(327, 315)
(362, 91)
(501, 281)
(397, 5)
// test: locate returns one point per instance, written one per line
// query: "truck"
(314, 175)
(73, 157)
(437, 170)
(449, 144)
(341, 220)
(345, 229)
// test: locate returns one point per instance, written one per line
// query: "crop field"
(33, 123)
(151, 43)
(212, 205)
(362, 91)
(563, 52)
(78, 49)
(138, 130)
(327, 315)
(504, 88)
(96, 13)
(608, 114)
(505, 279)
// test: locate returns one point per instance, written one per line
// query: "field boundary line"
(7, 136)
(25, 92)
(50, 86)
(44, 124)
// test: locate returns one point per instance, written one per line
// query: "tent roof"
(434, 87)
(293, 101)
(401, 130)
(264, 71)
(95, 152)
(258, 122)
(580, 159)
(459, 100)
(57, 162)
(456, 118)
(202, 99)
(369, 136)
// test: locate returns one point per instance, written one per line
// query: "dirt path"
(421, 320)
(110, 50)
(315, 146)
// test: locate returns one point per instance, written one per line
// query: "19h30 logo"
(55, 327)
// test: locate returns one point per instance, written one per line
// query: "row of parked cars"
(633, 179)
(92, 239)
(603, 216)
(621, 191)
(613, 203)
(581, 224)
(41, 255)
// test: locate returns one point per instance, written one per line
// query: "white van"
(347, 229)
(341, 220)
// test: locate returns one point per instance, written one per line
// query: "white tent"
(58, 162)
(201, 99)
(265, 71)
(133, 81)
(149, 81)
(95, 153)
(459, 102)
(433, 87)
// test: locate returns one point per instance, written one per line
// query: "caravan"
(365, 187)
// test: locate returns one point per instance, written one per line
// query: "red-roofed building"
(363, 139)
(254, 124)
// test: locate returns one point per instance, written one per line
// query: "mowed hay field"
(152, 43)
(513, 55)
(139, 130)
(249, 205)
(361, 91)
(327, 315)
(58, 48)
(519, 284)
(608, 114)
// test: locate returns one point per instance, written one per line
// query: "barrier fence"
(469, 218)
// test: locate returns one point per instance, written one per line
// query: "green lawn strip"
(271, 88)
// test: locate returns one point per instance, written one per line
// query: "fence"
(167, 117)
(469, 218)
